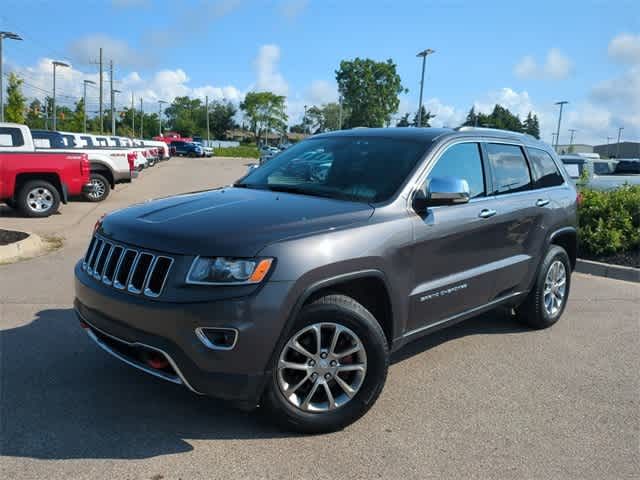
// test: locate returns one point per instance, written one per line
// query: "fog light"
(217, 338)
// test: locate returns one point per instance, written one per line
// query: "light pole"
(84, 125)
(56, 63)
(618, 145)
(562, 103)
(424, 54)
(608, 140)
(11, 36)
(553, 141)
(113, 110)
(573, 131)
(160, 102)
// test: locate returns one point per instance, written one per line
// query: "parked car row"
(39, 169)
(602, 174)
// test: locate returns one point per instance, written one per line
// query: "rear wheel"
(546, 302)
(331, 369)
(101, 188)
(38, 198)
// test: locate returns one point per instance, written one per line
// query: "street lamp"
(562, 103)
(160, 102)
(10, 36)
(56, 63)
(113, 110)
(424, 55)
(573, 131)
(85, 83)
(618, 145)
(608, 141)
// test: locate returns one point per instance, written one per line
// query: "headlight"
(228, 271)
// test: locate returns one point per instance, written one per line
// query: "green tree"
(472, 119)
(370, 91)
(404, 121)
(34, 118)
(265, 112)
(426, 116)
(16, 101)
(186, 116)
(221, 119)
(298, 128)
(531, 125)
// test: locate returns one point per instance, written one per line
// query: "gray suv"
(290, 288)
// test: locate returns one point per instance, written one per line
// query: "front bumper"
(170, 328)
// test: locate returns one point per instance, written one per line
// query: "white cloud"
(625, 48)
(290, 9)
(321, 92)
(86, 50)
(557, 66)
(268, 76)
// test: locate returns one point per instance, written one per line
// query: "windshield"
(365, 169)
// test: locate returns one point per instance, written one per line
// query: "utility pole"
(141, 120)
(562, 103)
(608, 140)
(206, 108)
(113, 98)
(86, 82)
(618, 145)
(573, 131)
(160, 102)
(424, 54)
(340, 117)
(101, 96)
(56, 64)
(11, 36)
(133, 117)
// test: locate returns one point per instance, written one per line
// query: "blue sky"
(525, 56)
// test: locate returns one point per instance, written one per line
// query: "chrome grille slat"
(146, 273)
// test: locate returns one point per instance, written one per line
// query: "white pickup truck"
(108, 166)
(86, 140)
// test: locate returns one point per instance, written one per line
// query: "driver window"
(462, 160)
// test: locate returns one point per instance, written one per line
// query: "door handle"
(486, 213)
(542, 202)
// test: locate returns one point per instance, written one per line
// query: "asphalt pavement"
(484, 399)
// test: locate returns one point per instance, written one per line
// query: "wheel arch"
(104, 170)
(566, 238)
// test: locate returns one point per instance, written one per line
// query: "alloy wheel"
(40, 199)
(322, 367)
(555, 287)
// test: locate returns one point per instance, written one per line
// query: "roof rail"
(466, 128)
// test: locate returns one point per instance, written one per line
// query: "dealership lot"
(486, 398)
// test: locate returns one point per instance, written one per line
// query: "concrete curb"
(608, 270)
(29, 247)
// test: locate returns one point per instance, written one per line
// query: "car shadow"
(61, 397)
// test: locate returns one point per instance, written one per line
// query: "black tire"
(103, 187)
(29, 206)
(532, 311)
(346, 312)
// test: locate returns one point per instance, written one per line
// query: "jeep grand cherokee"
(290, 288)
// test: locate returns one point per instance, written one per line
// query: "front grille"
(126, 268)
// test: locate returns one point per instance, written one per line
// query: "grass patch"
(244, 151)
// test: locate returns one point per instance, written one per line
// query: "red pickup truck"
(36, 182)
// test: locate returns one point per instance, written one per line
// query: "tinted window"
(462, 161)
(602, 168)
(544, 169)
(11, 137)
(365, 169)
(509, 168)
(88, 141)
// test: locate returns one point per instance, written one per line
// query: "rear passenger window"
(11, 137)
(509, 168)
(462, 160)
(544, 169)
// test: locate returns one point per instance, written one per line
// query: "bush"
(241, 151)
(609, 221)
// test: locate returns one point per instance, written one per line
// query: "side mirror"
(441, 191)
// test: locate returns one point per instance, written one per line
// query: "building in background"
(627, 150)
(575, 148)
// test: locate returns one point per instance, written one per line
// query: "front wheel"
(331, 369)
(100, 188)
(547, 300)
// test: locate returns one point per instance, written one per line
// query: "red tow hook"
(157, 361)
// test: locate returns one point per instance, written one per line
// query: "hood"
(233, 222)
